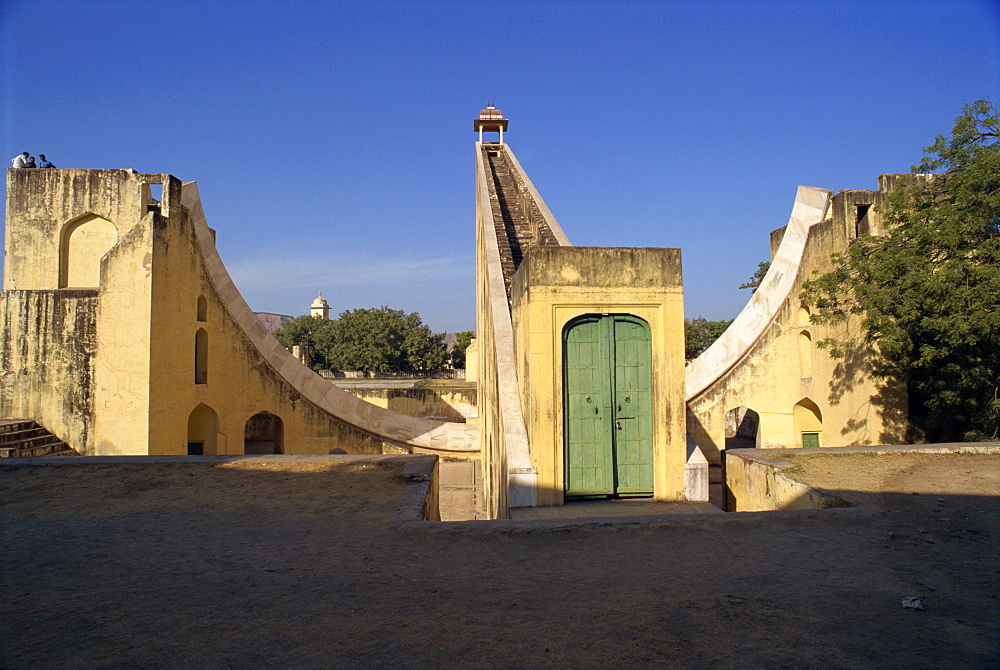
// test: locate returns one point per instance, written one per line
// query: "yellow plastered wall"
(122, 362)
(553, 286)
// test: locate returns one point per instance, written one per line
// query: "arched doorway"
(808, 423)
(203, 431)
(263, 434)
(741, 428)
(608, 407)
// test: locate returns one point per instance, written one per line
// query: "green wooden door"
(608, 407)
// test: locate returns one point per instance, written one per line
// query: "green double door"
(608, 403)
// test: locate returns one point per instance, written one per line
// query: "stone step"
(9, 426)
(25, 433)
(20, 438)
(30, 442)
(52, 449)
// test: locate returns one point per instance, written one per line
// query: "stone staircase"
(511, 215)
(24, 439)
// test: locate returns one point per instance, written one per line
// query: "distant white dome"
(319, 302)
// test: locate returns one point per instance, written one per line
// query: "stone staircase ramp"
(512, 218)
(21, 438)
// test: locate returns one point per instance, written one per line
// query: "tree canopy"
(302, 331)
(375, 340)
(926, 290)
(462, 342)
(699, 333)
(757, 277)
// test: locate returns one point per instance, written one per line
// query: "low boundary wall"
(755, 481)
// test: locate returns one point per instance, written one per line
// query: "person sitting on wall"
(20, 161)
(46, 163)
(31, 162)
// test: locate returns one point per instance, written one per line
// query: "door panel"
(588, 404)
(608, 406)
(633, 437)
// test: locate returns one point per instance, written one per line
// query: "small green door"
(608, 407)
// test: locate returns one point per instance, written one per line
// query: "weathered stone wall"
(45, 204)
(372, 374)
(436, 403)
(756, 483)
(47, 346)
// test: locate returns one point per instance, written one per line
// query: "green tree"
(699, 333)
(462, 342)
(306, 330)
(381, 340)
(926, 291)
(757, 277)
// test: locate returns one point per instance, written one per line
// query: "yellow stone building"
(765, 383)
(124, 335)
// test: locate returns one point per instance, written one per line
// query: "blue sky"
(333, 142)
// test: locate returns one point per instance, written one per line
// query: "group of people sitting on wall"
(25, 161)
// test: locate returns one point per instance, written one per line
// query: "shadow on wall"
(890, 401)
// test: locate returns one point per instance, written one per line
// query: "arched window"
(203, 431)
(263, 434)
(83, 242)
(201, 357)
(202, 309)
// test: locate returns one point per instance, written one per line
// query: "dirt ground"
(292, 565)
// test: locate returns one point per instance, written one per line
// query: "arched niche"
(804, 314)
(263, 434)
(201, 357)
(808, 423)
(82, 243)
(805, 353)
(201, 309)
(203, 431)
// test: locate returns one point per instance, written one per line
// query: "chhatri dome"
(320, 307)
(490, 121)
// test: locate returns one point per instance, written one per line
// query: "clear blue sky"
(333, 143)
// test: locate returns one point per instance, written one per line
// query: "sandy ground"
(188, 565)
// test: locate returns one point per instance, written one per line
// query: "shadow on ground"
(192, 565)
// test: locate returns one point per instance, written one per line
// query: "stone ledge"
(673, 521)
